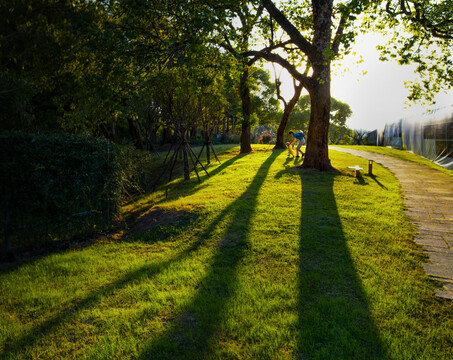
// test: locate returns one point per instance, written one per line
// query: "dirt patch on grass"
(158, 216)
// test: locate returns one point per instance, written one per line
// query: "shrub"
(54, 187)
(265, 138)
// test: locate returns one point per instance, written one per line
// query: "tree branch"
(439, 30)
(259, 11)
(338, 34)
(227, 46)
(303, 78)
(296, 37)
(279, 95)
(276, 46)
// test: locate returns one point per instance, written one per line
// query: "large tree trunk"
(279, 141)
(246, 112)
(319, 53)
(317, 152)
(245, 139)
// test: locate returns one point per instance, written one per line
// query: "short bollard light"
(370, 167)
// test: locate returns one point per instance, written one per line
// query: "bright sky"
(379, 97)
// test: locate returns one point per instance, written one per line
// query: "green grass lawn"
(401, 154)
(261, 260)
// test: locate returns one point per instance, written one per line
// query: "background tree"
(214, 102)
(191, 94)
(235, 37)
(83, 66)
(359, 136)
(315, 23)
(435, 18)
(422, 34)
(270, 32)
(288, 107)
(142, 40)
(181, 107)
(265, 106)
(38, 41)
(340, 135)
(339, 113)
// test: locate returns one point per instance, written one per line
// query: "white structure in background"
(429, 135)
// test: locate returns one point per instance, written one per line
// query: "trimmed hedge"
(54, 187)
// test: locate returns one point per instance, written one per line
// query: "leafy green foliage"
(90, 67)
(339, 113)
(41, 58)
(264, 104)
(55, 187)
(421, 34)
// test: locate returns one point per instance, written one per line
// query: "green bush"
(265, 138)
(54, 187)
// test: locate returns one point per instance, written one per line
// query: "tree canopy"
(105, 67)
(422, 34)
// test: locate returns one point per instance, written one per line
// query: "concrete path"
(428, 197)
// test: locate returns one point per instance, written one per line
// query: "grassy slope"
(264, 261)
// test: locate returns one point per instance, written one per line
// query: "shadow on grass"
(201, 172)
(12, 348)
(182, 188)
(215, 288)
(162, 170)
(360, 180)
(164, 229)
(29, 256)
(298, 160)
(377, 181)
(334, 316)
(193, 331)
(288, 160)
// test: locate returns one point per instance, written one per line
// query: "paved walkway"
(428, 197)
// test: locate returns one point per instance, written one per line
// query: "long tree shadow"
(194, 186)
(13, 347)
(191, 332)
(334, 314)
(230, 244)
(185, 188)
(45, 327)
(29, 256)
